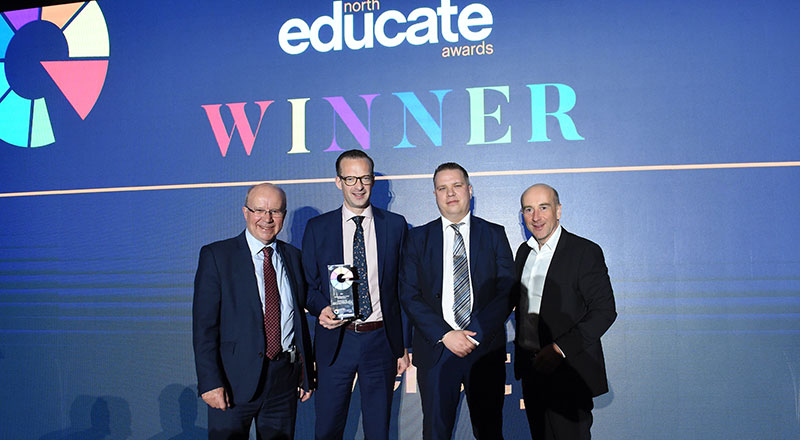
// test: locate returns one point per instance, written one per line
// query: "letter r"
(539, 113)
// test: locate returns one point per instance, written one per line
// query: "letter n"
(412, 106)
(351, 121)
(240, 122)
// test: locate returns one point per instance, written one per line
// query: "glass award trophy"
(341, 278)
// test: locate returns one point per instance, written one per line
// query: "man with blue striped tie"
(455, 283)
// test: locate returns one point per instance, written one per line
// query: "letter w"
(223, 135)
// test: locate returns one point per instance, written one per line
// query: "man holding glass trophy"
(351, 259)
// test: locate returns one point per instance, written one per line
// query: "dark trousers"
(369, 355)
(274, 406)
(484, 386)
(558, 406)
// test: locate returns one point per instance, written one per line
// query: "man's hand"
(403, 362)
(328, 319)
(457, 342)
(304, 395)
(216, 398)
(548, 359)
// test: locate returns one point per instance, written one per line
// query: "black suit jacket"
(492, 276)
(228, 320)
(576, 310)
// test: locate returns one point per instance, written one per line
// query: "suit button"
(260, 354)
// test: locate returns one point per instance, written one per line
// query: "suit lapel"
(522, 257)
(550, 290)
(475, 237)
(335, 232)
(289, 269)
(381, 235)
(246, 273)
(434, 256)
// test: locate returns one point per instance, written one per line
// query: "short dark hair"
(354, 154)
(450, 166)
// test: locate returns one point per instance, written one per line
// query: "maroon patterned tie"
(272, 306)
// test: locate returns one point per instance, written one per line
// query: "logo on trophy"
(344, 301)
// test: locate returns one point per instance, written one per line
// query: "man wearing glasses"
(373, 345)
(252, 348)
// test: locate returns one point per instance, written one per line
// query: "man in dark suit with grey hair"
(252, 348)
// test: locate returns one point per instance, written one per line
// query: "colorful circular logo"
(64, 45)
(341, 278)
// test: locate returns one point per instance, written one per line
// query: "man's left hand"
(548, 359)
(304, 395)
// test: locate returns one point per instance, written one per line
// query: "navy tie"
(360, 262)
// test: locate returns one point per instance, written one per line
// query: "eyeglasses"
(351, 180)
(275, 213)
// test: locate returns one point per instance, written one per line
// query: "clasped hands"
(460, 342)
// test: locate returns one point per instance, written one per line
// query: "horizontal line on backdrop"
(702, 166)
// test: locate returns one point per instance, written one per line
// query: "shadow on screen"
(297, 224)
(604, 400)
(91, 418)
(526, 234)
(382, 194)
(178, 407)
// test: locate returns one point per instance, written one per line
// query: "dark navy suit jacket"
(323, 245)
(577, 308)
(228, 320)
(492, 276)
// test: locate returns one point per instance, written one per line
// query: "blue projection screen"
(129, 132)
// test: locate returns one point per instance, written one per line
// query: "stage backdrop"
(129, 132)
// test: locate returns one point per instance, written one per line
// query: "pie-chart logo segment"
(6, 33)
(80, 77)
(22, 17)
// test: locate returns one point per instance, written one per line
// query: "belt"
(290, 355)
(365, 327)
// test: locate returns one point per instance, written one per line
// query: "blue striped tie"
(461, 298)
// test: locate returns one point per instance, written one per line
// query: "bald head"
(541, 186)
(265, 187)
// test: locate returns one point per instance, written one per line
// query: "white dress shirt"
(284, 288)
(535, 270)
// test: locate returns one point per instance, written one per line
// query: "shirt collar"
(348, 214)
(446, 223)
(549, 245)
(255, 244)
